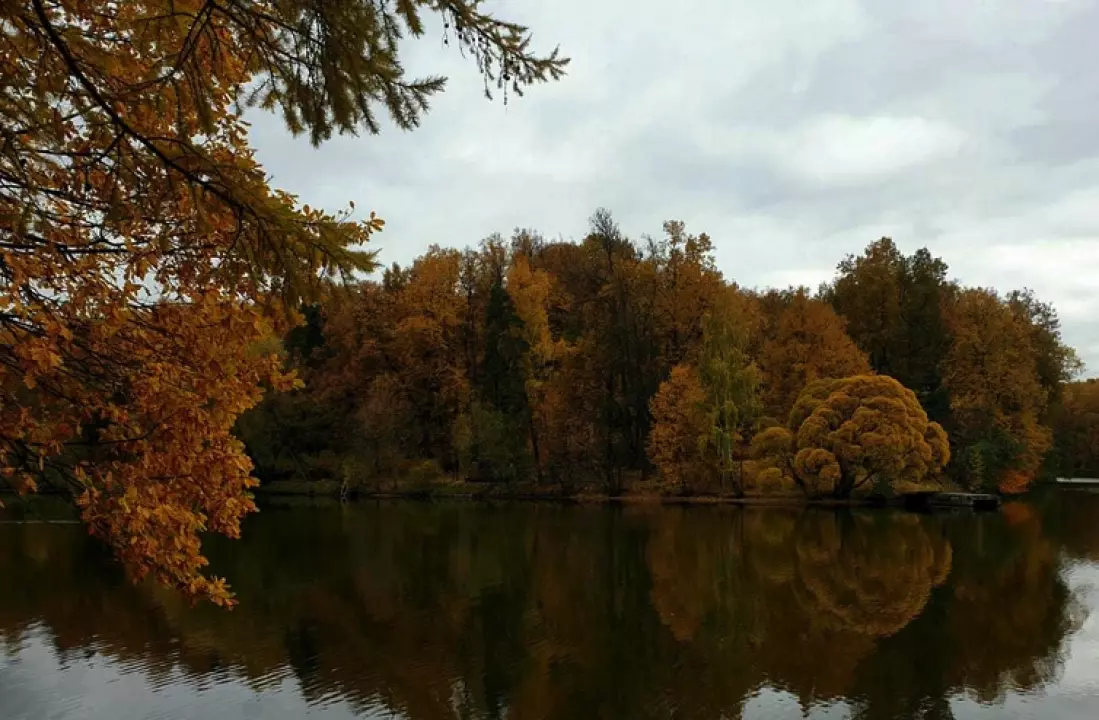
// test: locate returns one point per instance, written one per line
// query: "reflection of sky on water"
(36, 683)
(1076, 694)
(345, 616)
(1082, 671)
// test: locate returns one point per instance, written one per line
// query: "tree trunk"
(534, 448)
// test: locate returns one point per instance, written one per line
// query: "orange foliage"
(558, 360)
(529, 290)
(124, 363)
(149, 451)
(991, 374)
(1018, 513)
(145, 261)
(686, 288)
(680, 428)
(808, 343)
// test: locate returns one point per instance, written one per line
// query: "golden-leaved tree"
(807, 342)
(861, 433)
(681, 429)
(996, 396)
(143, 255)
(529, 290)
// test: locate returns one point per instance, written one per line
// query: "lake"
(523, 611)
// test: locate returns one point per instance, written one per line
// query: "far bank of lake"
(638, 493)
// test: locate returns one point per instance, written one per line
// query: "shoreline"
(922, 501)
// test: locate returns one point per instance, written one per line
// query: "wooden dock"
(1079, 481)
(951, 500)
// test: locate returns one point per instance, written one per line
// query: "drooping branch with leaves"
(145, 261)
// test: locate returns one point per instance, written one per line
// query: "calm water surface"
(421, 611)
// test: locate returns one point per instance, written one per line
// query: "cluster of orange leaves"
(144, 261)
(807, 343)
(681, 428)
(149, 451)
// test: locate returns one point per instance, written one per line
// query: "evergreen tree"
(501, 420)
(502, 376)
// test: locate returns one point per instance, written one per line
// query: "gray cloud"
(793, 133)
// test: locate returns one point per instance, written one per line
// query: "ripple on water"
(452, 611)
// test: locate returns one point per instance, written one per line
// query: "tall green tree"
(732, 386)
(893, 308)
(1055, 362)
(1076, 430)
(867, 294)
(923, 338)
(499, 420)
(620, 332)
(502, 380)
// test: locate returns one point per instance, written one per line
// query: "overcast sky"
(792, 132)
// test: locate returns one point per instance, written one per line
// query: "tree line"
(613, 364)
(148, 269)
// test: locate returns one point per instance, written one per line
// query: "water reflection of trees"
(873, 573)
(1075, 528)
(444, 611)
(802, 596)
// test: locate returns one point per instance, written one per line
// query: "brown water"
(521, 611)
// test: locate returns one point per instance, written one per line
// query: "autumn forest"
(176, 332)
(615, 365)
